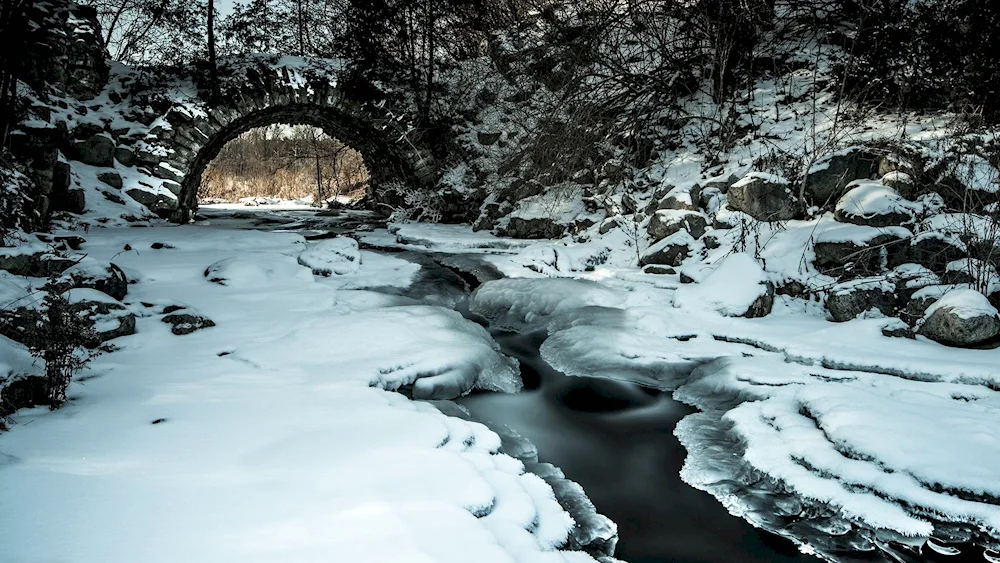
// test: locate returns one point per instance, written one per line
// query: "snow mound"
(336, 256)
(435, 350)
(255, 270)
(530, 304)
(731, 289)
(867, 200)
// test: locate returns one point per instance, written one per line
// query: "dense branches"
(14, 30)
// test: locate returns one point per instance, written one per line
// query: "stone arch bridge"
(258, 91)
(148, 134)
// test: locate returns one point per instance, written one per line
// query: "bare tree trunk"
(319, 167)
(430, 57)
(213, 67)
(301, 25)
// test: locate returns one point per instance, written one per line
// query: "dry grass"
(281, 162)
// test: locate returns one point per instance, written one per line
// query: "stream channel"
(614, 438)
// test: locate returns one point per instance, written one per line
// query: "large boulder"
(158, 202)
(859, 251)
(666, 222)
(671, 251)
(848, 300)
(829, 175)
(874, 205)
(963, 317)
(73, 200)
(764, 197)
(533, 228)
(98, 150)
(935, 250)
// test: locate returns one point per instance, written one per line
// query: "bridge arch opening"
(387, 164)
(285, 163)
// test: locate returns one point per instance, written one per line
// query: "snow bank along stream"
(243, 418)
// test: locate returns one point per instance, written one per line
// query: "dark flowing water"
(616, 440)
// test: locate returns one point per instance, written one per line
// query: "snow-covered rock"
(254, 270)
(848, 300)
(859, 250)
(764, 197)
(935, 250)
(963, 317)
(875, 205)
(666, 222)
(184, 321)
(335, 256)
(33, 260)
(110, 319)
(900, 181)
(671, 251)
(102, 276)
(737, 287)
(677, 198)
(830, 174)
(971, 271)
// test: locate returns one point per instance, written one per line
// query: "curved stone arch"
(259, 92)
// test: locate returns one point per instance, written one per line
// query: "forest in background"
(286, 162)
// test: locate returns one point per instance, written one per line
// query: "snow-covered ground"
(275, 434)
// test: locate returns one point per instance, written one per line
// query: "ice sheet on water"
(531, 304)
(652, 345)
(861, 442)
